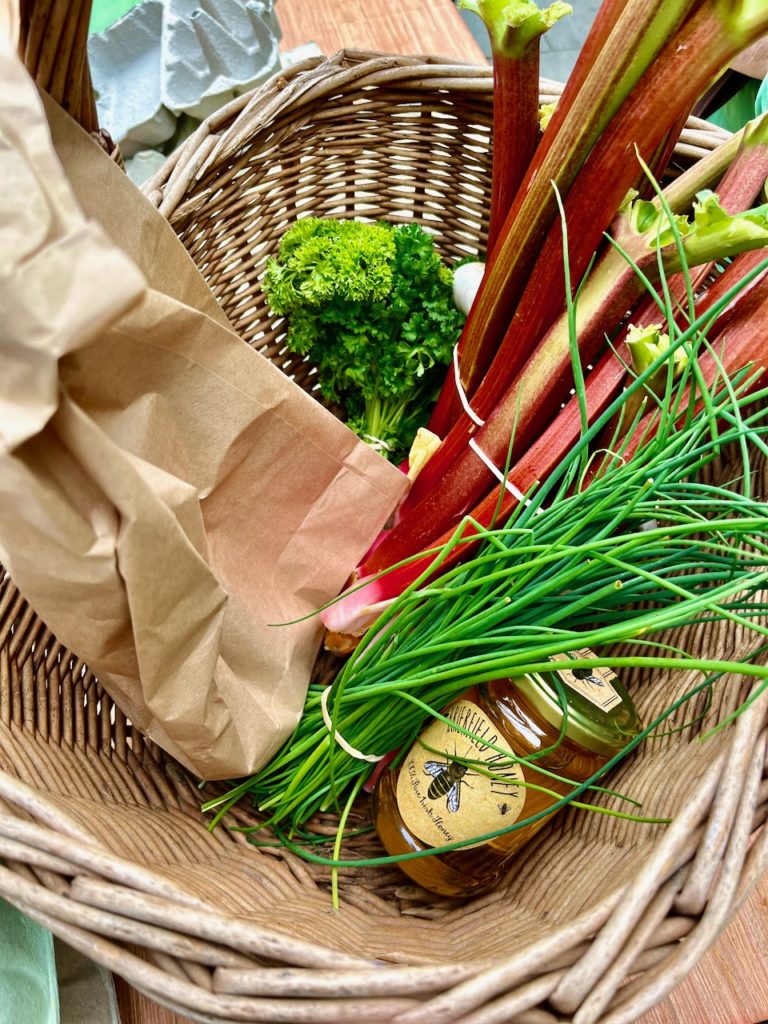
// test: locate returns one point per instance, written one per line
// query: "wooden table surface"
(390, 26)
(730, 984)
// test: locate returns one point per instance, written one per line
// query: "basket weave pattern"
(101, 833)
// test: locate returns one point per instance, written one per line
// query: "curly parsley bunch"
(371, 306)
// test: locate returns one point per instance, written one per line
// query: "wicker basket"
(101, 833)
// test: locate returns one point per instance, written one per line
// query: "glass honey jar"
(453, 784)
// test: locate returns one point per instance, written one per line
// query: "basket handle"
(53, 40)
(53, 43)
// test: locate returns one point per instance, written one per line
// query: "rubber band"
(338, 738)
(514, 491)
(461, 392)
(377, 444)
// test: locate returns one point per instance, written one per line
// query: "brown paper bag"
(166, 494)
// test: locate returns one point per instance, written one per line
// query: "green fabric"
(28, 987)
(105, 12)
(761, 103)
(734, 114)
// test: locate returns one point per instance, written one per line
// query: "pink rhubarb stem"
(515, 131)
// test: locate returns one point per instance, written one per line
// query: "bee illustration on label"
(503, 808)
(585, 674)
(447, 780)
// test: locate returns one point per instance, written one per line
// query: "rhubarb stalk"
(746, 155)
(515, 28)
(526, 408)
(610, 170)
(640, 30)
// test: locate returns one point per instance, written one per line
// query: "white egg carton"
(126, 68)
(168, 57)
(213, 50)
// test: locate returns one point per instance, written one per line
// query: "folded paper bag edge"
(132, 222)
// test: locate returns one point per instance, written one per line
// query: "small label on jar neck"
(596, 684)
(441, 794)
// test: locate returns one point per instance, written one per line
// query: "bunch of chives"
(563, 575)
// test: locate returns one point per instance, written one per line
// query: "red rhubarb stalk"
(659, 161)
(526, 409)
(642, 122)
(515, 28)
(640, 30)
(739, 187)
(612, 289)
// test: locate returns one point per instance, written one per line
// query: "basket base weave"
(102, 833)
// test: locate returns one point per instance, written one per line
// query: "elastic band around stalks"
(514, 491)
(461, 392)
(377, 444)
(338, 738)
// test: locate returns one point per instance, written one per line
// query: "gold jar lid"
(601, 715)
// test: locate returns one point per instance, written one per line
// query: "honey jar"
(466, 777)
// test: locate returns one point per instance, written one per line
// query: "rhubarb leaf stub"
(514, 24)
(645, 218)
(424, 446)
(756, 132)
(724, 235)
(707, 210)
(647, 344)
(710, 234)
(546, 110)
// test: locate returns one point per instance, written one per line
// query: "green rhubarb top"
(514, 24)
(711, 234)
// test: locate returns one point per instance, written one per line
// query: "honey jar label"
(455, 784)
(596, 684)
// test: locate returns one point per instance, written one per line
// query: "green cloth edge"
(28, 983)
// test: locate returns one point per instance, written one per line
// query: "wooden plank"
(398, 26)
(729, 985)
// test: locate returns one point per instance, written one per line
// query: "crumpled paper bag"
(166, 494)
